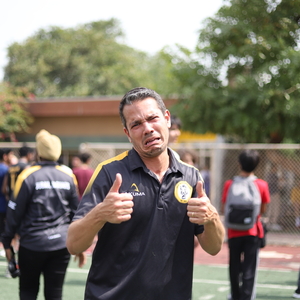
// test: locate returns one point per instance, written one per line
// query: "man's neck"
(246, 174)
(23, 160)
(158, 165)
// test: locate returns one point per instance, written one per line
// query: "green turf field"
(210, 282)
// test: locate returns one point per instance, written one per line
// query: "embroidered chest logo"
(134, 187)
(134, 191)
(183, 191)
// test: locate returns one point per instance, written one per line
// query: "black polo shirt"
(151, 255)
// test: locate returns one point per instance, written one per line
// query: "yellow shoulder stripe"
(99, 167)
(22, 177)
(67, 171)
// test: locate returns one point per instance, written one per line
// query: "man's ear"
(127, 133)
(168, 118)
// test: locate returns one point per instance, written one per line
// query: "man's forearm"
(82, 232)
(212, 238)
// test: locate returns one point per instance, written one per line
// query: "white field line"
(260, 285)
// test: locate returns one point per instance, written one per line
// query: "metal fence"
(279, 166)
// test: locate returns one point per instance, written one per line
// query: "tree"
(88, 60)
(13, 115)
(244, 76)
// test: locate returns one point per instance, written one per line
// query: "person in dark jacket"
(44, 201)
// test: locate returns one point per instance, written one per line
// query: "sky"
(148, 26)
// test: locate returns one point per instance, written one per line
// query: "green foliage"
(88, 60)
(13, 115)
(243, 81)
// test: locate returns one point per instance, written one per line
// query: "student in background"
(174, 133)
(75, 161)
(188, 156)
(83, 172)
(43, 204)
(296, 295)
(6, 155)
(174, 130)
(295, 199)
(244, 245)
(26, 157)
(205, 173)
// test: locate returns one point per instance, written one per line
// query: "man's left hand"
(200, 210)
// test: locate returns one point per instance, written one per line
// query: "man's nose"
(147, 128)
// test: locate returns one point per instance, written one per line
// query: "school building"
(79, 120)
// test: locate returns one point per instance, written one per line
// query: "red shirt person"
(83, 173)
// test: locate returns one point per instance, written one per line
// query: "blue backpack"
(243, 203)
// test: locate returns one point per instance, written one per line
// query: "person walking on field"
(5, 161)
(244, 245)
(174, 133)
(83, 173)
(43, 204)
(27, 155)
(146, 207)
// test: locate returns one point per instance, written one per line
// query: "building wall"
(82, 120)
(79, 126)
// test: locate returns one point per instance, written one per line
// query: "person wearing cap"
(44, 201)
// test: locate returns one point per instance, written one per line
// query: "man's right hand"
(116, 207)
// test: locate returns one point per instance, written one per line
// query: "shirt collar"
(135, 161)
(47, 163)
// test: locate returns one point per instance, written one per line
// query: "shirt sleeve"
(225, 190)
(264, 191)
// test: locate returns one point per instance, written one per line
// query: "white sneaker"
(7, 274)
(297, 296)
(2, 253)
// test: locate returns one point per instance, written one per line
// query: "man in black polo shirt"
(146, 207)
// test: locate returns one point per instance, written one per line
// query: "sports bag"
(242, 203)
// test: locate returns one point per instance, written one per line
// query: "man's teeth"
(151, 141)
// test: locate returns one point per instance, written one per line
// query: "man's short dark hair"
(249, 159)
(176, 121)
(138, 94)
(84, 157)
(25, 150)
(4, 151)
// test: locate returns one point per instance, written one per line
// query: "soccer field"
(210, 282)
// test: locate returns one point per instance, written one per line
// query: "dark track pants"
(52, 265)
(243, 259)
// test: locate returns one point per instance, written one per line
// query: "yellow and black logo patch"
(183, 191)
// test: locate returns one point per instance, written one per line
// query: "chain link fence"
(279, 166)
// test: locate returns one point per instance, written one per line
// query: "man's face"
(174, 133)
(9, 158)
(147, 127)
(30, 156)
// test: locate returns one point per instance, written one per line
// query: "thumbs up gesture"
(200, 210)
(117, 207)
